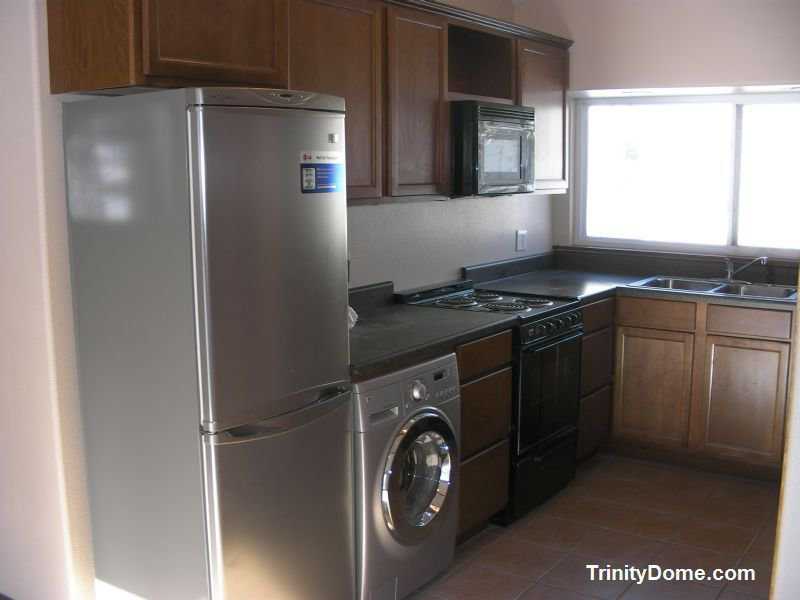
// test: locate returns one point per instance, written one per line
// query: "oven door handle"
(544, 344)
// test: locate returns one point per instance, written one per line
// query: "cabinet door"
(653, 385)
(485, 412)
(597, 360)
(484, 487)
(594, 422)
(542, 81)
(336, 48)
(240, 41)
(743, 399)
(418, 115)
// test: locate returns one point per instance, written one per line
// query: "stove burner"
(535, 302)
(510, 306)
(457, 301)
(488, 296)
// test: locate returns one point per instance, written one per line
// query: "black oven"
(493, 148)
(547, 372)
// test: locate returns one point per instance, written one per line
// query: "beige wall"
(652, 43)
(421, 243)
(44, 534)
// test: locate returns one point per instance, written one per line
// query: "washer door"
(418, 476)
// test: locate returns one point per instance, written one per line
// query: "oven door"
(505, 157)
(549, 390)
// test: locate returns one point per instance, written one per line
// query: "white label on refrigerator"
(320, 156)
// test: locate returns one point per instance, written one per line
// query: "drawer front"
(485, 412)
(656, 314)
(598, 315)
(594, 422)
(597, 360)
(484, 355)
(484, 487)
(751, 322)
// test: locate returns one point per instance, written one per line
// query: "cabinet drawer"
(485, 412)
(597, 360)
(598, 315)
(594, 421)
(484, 487)
(484, 355)
(656, 314)
(753, 322)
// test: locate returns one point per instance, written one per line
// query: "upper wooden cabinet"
(336, 47)
(542, 82)
(103, 44)
(480, 63)
(396, 66)
(232, 41)
(416, 45)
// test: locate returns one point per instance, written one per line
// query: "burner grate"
(535, 302)
(488, 296)
(457, 301)
(510, 306)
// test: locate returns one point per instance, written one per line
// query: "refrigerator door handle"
(329, 401)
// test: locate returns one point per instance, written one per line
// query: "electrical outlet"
(522, 240)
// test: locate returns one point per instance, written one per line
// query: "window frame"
(580, 109)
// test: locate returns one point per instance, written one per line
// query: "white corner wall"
(44, 533)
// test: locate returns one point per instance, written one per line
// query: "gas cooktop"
(461, 295)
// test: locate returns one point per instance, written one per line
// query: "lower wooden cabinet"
(597, 360)
(484, 487)
(711, 391)
(653, 385)
(484, 368)
(594, 422)
(485, 412)
(743, 400)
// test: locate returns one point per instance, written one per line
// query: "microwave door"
(505, 158)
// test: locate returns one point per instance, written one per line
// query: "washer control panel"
(390, 397)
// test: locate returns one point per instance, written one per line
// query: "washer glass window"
(418, 474)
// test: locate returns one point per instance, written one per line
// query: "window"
(717, 173)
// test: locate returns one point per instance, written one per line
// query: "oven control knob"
(549, 328)
(418, 391)
(560, 323)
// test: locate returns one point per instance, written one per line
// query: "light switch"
(522, 240)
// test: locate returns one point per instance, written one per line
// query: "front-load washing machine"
(407, 428)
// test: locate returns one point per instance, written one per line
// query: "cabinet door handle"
(531, 51)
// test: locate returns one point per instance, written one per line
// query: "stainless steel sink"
(758, 291)
(672, 283)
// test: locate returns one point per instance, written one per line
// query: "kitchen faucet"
(731, 271)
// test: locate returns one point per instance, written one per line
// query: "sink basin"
(758, 291)
(671, 283)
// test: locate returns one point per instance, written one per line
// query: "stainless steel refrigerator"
(208, 242)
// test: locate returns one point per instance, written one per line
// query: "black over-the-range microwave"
(493, 148)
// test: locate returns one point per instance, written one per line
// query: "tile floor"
(620, 511)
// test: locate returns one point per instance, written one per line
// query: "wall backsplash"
(422, 243)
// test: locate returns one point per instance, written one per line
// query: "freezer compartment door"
(280, 498)
(270, 235)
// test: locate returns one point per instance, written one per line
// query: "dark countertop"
(397, 336)
(570, 284)
(400, 336)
